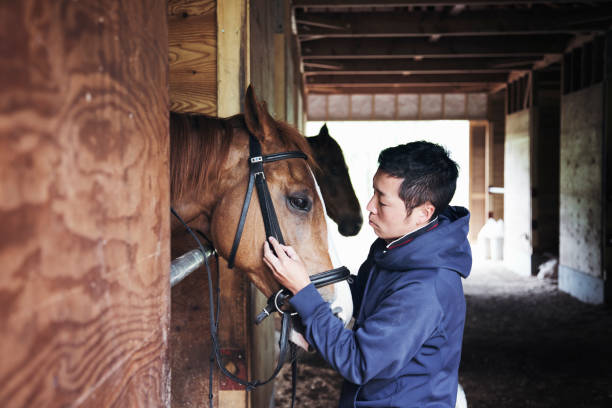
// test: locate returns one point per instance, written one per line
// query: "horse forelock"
(199, 145)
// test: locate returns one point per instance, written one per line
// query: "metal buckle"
(278, 307)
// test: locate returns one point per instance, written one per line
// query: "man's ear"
(426, 211)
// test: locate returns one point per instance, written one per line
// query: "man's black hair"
(428, 173)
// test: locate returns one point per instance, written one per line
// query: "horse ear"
(256, 116)
(324, 131)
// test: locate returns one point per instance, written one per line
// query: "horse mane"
(200, 143)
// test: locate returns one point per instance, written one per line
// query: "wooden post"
(478, 188)
(232, 79)
(232, 55)
(84, 198)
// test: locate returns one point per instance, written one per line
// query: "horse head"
(209, 190)
(333, 178)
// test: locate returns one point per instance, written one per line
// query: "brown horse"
(209, 175)
(333, 179)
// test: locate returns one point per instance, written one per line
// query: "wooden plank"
(263, 65)
(84, 200)
(407, 3)
(448, 79)
(192, 58)
(233, 55)
(445, 47)
(430, 66)
(191, 7)
(404, 23)
(232, 52)
(401, 88)
(279, 77)
(478, 188)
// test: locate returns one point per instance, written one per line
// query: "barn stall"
(86, 91)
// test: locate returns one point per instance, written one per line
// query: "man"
(409, 309)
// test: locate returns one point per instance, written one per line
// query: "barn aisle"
(526, 345)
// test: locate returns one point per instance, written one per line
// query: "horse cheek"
(224, 221)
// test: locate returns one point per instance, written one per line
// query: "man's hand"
(286, 266)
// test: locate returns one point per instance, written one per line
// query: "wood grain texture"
(478, 188)
(233, 75)
(192, 42)
(262, 21)
(84, 201)
(191, 7)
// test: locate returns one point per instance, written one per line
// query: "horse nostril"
(350, 227)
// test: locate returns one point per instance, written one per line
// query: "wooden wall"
(192, 47)
(84, 204)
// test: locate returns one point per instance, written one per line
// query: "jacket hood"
(444, 245)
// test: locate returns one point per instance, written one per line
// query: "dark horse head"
(333, 179)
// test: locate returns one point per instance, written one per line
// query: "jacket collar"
(412, 235)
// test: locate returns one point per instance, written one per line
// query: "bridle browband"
(279, 299)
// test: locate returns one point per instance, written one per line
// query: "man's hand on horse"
(286, 266)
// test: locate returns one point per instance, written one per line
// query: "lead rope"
(214, 324)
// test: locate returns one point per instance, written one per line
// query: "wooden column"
(233, 78)
(84, 198)
(478, 188)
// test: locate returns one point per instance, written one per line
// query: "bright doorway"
(362, 141)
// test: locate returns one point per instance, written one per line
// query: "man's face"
(388, 215)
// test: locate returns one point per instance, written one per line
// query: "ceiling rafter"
(447, 47)
(402, 89)
(446, 79)
(402, 66)
(424, 3)
(472, 23)
(417, 46)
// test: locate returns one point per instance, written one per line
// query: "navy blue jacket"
(409, 309)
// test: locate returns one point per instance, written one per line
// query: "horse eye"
(300, 203)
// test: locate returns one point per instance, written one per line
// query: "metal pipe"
(182, 266)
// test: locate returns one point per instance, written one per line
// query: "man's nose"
(371, 207)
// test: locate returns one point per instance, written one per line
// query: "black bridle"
(279, 299)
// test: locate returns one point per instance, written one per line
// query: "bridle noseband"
(279, 299)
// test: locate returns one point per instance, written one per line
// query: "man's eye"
(300, 203)
(382, 204)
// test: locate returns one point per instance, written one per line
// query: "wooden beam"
(232, 54)
(449, 79)
(399, 89)
(451, 47)
(477, 22)
(432, 66)
(408, 3)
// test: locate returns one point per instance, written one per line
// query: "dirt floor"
(525, 345)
